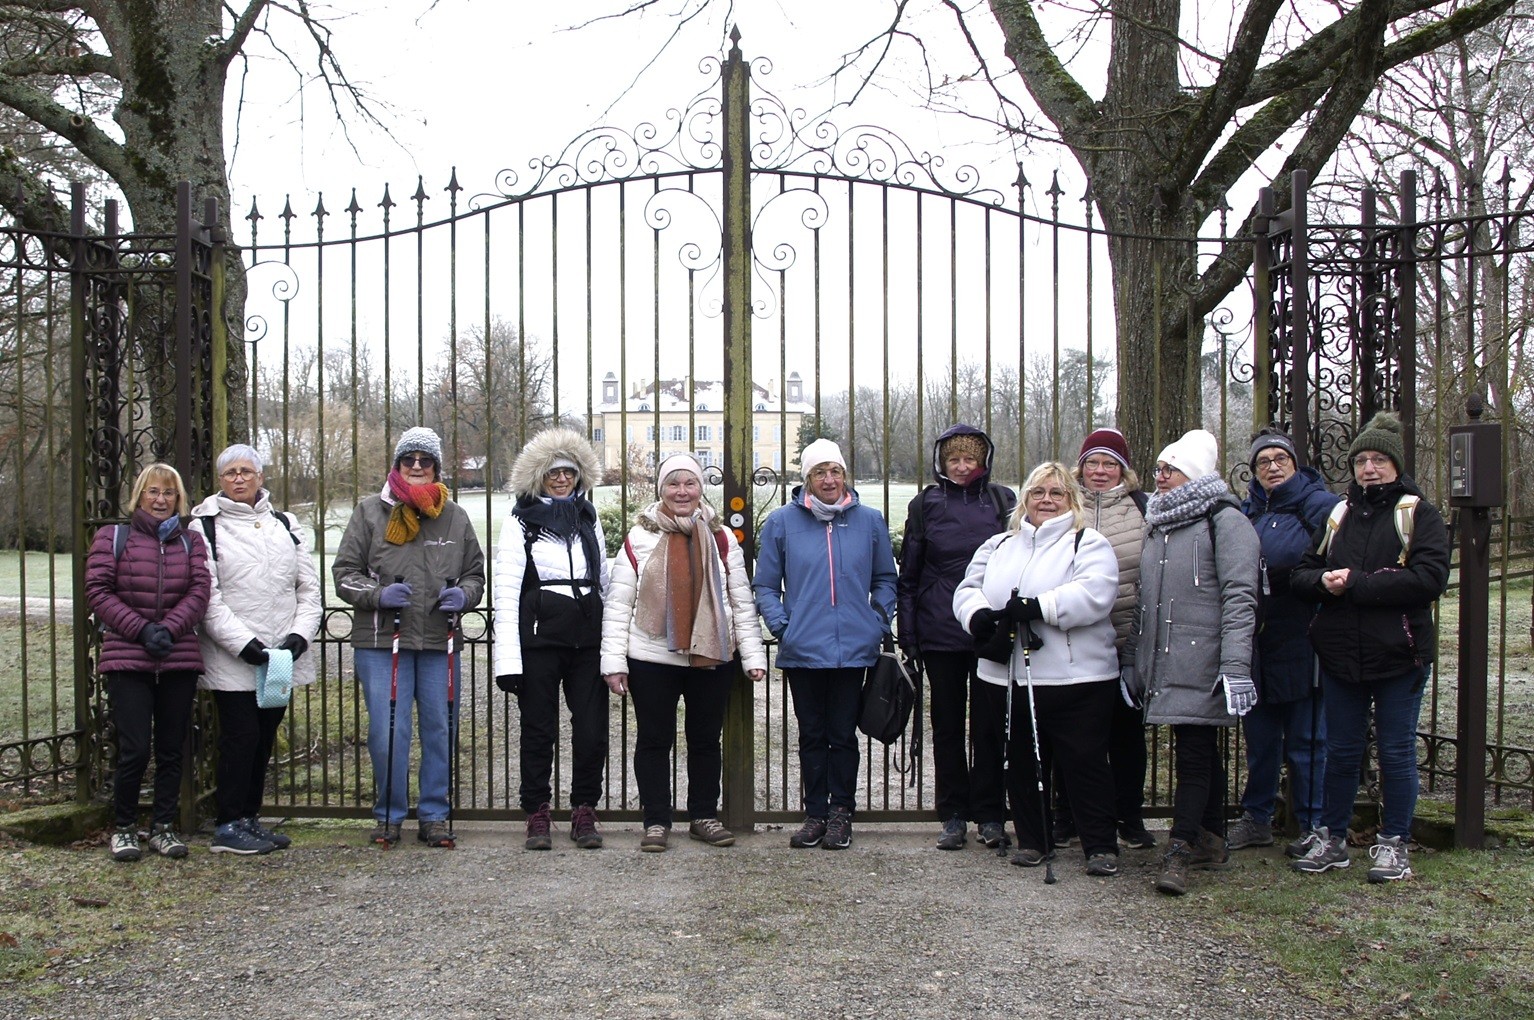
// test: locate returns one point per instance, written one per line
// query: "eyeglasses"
(169, 494)
(1056, 495)
(561, 472)
(1277, 460)
(1165, 471)
(1367, 460)
(1099, 464)
(234, 473)
(418, 460)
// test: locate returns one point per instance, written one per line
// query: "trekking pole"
(393, 704)
(1315, 711)
(1038, 758)
(1006, 745)
(452, 727)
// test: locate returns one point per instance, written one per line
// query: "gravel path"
(890, 928)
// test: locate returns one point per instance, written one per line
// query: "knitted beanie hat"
(1105, 441)
(419, 440)
(1270, 437)
(821, 451)
(1383, 433)
(1195, 454)
(678, 462)
(968, 443)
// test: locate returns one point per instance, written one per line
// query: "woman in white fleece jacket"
(678, 610)
(1051, 581)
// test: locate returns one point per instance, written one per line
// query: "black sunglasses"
(418, 460)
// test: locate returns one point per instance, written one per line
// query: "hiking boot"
(1390, 862)
(124, 845)
(1249, 832)
(1136, 837)
(583, 828)
(1326, 853)
(1027, 857)
(654, 839)
(164, 841)
(436, 833)
(1103, 865)
(1064, 834)
(234, 838)
(385, 834)
(1300, 847)
(953, 834)
(1174, 868)
(810, 833)
(709, 831)
(838, 830)
(255, 828)
(538, 823)
(1210, 853)
(992, 834)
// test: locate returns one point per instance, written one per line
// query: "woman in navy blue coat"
(1286, 504)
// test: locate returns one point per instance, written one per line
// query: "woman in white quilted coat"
(265, 595)
(677, 613)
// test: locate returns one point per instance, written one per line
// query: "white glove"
(1240, 693)
(1129, 688)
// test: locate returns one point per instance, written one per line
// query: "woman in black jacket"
(946, 523)
(1377, 572)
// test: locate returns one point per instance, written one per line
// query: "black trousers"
(544, 671)
(1199, 799)
(972, 791)
(1073, 735)
(1127, 761)
(149, 709)
(655, 688)
(246, 734)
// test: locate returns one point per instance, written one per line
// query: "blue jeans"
(1397, 704)
(826, 705)
(422, 683)
(1292, 731)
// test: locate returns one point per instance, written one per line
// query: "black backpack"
(210, 532)
(1002, 499)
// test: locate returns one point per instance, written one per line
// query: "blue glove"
(395, 596)
(1240, 693)
(157, 640)
(452, 600)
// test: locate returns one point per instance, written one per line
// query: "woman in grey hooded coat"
(1189, 659)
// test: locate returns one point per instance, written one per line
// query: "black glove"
(157, 640)
(511, 683)
(254, 653)
(294, 644)
(985, 621)
(1023, 610)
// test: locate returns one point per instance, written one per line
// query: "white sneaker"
(1390, 861)
(124, 845)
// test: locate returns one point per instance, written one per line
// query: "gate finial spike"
(387, 203)
(352, 207)
(452, 185)
(255, 214)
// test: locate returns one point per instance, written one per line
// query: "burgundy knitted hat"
(1109, 441)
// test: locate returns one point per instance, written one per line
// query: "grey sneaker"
(1136, 837)
(953, 834)
(1027, 857)
(1103, 865)
(1326, 853)
(1390, 861)
(124, 845)
(234, 838)
(838, 830)
(710, 831)
(810, 833)
(385, 834)
(1295, 849)
(992, 834)
(1249, 832)
(164, 841)
(654, 839)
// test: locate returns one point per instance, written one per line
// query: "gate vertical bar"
(1406, 316)
(80, 449)
(735, 78)
(185, 370)
(1300, 326)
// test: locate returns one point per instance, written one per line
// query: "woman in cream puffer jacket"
(678, 612)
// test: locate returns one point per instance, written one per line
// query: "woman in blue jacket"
(1286, 503)
(825, 585)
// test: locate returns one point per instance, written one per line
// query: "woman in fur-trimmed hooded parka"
(550, 579)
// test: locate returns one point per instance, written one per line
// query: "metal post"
(1475, 461)
(1406, 313)
(1299, 320)
(184, 368)
(1263, 390)
(739, 805)
(89, 742)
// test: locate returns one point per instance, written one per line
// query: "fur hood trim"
(543, 450)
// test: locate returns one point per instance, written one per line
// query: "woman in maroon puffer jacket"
(149, 590)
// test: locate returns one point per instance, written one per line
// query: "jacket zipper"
(830, 563)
